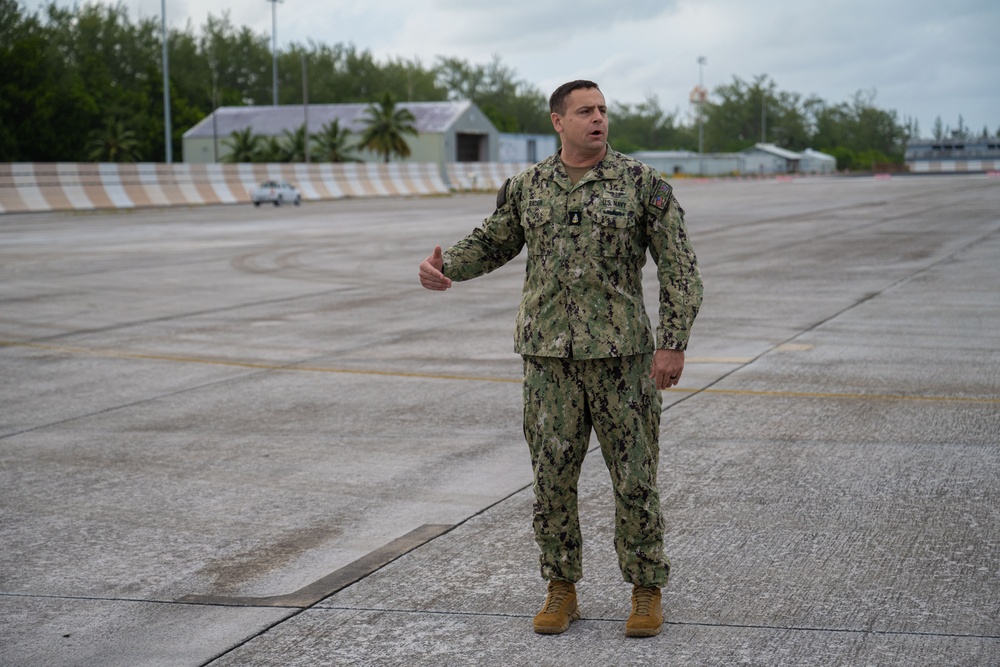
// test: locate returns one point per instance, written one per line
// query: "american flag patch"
(661, 195)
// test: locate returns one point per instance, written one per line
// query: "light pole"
(305, 105)
(215, 111)
(274, 48)
(763, 116)
(701, 116)
(166, 85)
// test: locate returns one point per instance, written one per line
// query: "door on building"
(471, 147)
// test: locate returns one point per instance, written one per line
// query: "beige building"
(447, 131)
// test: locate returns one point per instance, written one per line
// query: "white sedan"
(279, 192)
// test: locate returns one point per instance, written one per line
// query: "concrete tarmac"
(247, 437)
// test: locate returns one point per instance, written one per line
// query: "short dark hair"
(557, 102)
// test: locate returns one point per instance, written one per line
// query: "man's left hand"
(667, 368)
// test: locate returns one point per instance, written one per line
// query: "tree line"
(85, 83)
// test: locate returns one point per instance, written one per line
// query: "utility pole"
(305, 104)
(167, 132)
(701, 115)
(763, 116)
(274, 48)
(215, 111)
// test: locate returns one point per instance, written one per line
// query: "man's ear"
(557, 122)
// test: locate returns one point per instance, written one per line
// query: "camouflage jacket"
(587, 245)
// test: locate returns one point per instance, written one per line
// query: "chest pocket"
(614, 233)
(539, 232)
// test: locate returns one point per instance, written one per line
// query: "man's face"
(584, 126)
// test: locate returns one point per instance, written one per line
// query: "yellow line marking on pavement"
(291, 366)
(117, 354)
(881, 397)
(794, 347)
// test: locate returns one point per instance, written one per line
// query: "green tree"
(237, 61)
(963, 131)
(860, 129)
(510, 104)
(742, 114)
(293, 144)
(114, 143)
(243, 146)
(91, 63)
(645, 126)
(386, 126)
(270, 150)
(116, 61)
(39, 89)
(332, 144)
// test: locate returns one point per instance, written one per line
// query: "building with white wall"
(815, 162)
(447, 131)
(677, 163)
(770, 159)
(761, 159)
(531, 148)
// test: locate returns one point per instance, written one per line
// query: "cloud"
(923, 57)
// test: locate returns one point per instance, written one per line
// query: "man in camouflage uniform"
(588, 215)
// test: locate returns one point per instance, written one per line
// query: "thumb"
(437, 253)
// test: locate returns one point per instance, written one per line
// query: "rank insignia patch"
(574, 217)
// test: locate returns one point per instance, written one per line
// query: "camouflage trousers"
(563, 400)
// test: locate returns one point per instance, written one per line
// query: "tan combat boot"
(559, 610)
(647, 612)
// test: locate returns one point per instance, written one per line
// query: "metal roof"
(431, 118)
(774, 150)
(817, 155)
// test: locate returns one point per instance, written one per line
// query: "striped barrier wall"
(45, 186)
(952, 166)
(482, 175)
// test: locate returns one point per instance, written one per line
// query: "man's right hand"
(430, 272)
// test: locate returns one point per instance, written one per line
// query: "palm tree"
(114, 143)
(271, 150)
(294, 145)
(243, 146)
(386, 127)
(333, 143)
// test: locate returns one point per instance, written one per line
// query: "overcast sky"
(922, 58)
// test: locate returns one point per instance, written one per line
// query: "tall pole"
(167, 132)
(274, 48)
(305, 104)
(701, 115)
(215, 112)
(763, 117)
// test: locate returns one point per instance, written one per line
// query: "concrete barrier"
(56, 186)
(45, 186)
(481, 175)
(948, 166)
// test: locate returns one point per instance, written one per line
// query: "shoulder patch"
(502, 193)
(661, 195)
